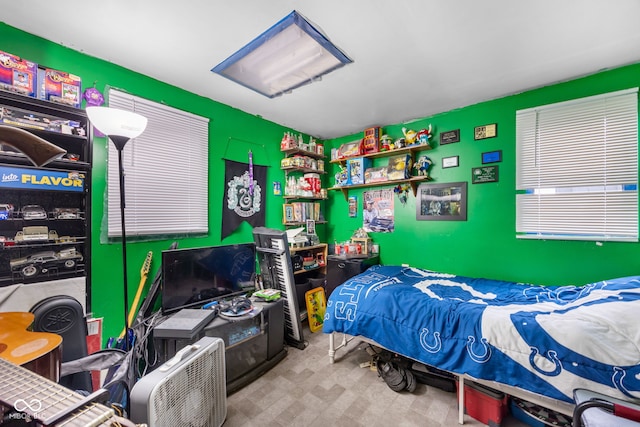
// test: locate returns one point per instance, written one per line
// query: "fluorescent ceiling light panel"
(288, 55)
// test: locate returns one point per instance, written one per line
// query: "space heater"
(188, 390)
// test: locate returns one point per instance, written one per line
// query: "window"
(166, 172)
(577, 169)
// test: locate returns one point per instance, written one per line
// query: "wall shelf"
(300, 223)
(299, 169)
(409, 149)
(413, 182)
(294, 151)
(304, 198)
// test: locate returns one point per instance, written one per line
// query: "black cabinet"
(45, 212)
(340, 268)
(254, 343)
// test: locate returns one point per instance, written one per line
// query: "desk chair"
(597, 410)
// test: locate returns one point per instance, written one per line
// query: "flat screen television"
(195, 276)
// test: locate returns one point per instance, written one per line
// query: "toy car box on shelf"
(356, 168)
(349, 149)
(371, 140)
(375, 175)
(484, 404)
(399, 167)
(30, 120)
(62, 87)
(18, 75)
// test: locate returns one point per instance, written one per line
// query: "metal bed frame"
(544, 401)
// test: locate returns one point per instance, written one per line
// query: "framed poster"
(442, 202)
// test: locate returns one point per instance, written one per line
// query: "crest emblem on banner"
(240, 197)
(244, 196)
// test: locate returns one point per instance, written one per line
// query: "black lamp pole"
(120, 142)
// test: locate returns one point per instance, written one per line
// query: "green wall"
(485, 244)
(231, 133)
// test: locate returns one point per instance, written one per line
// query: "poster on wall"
(377, 211)
(353, 206)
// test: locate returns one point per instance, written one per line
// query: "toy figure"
(342, 177)
(385, 143)
(399, 143)
(422, 165)
(424, 136)
(409, 136)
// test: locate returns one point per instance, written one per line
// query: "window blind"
(577, 169)
(166, 172)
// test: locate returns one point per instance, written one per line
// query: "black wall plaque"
(450, 136)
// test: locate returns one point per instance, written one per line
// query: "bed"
(534, 342)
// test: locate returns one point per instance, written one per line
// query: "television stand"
(253, 343)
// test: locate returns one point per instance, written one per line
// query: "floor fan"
(188, 390)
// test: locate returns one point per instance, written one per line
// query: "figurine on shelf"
(422, 165)
(342, 176)
(409, 136)
(424, 136)
(385, 143)
(360, 233)
(399, 143)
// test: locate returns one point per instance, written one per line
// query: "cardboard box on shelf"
(356, 168)
(371, 140)
(62, 88)
(18, 75)
(399, 167)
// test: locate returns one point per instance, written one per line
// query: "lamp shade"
(116, 122)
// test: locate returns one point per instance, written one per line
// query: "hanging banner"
(244, 196)
(377, 211)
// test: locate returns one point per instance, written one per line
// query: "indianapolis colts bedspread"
(547, 340)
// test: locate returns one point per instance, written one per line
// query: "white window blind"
(166, 172)
(577, 169)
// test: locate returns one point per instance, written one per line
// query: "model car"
(66, 213)
(6, 211)
(36, 233)
(42, 262)
(33, 212)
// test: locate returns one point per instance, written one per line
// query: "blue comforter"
(547, 340)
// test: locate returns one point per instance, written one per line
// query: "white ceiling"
(412, 58)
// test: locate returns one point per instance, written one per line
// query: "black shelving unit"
(61, 189)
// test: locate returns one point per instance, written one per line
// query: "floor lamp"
(119, 126)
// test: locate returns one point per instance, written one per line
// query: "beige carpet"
(306, 390)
